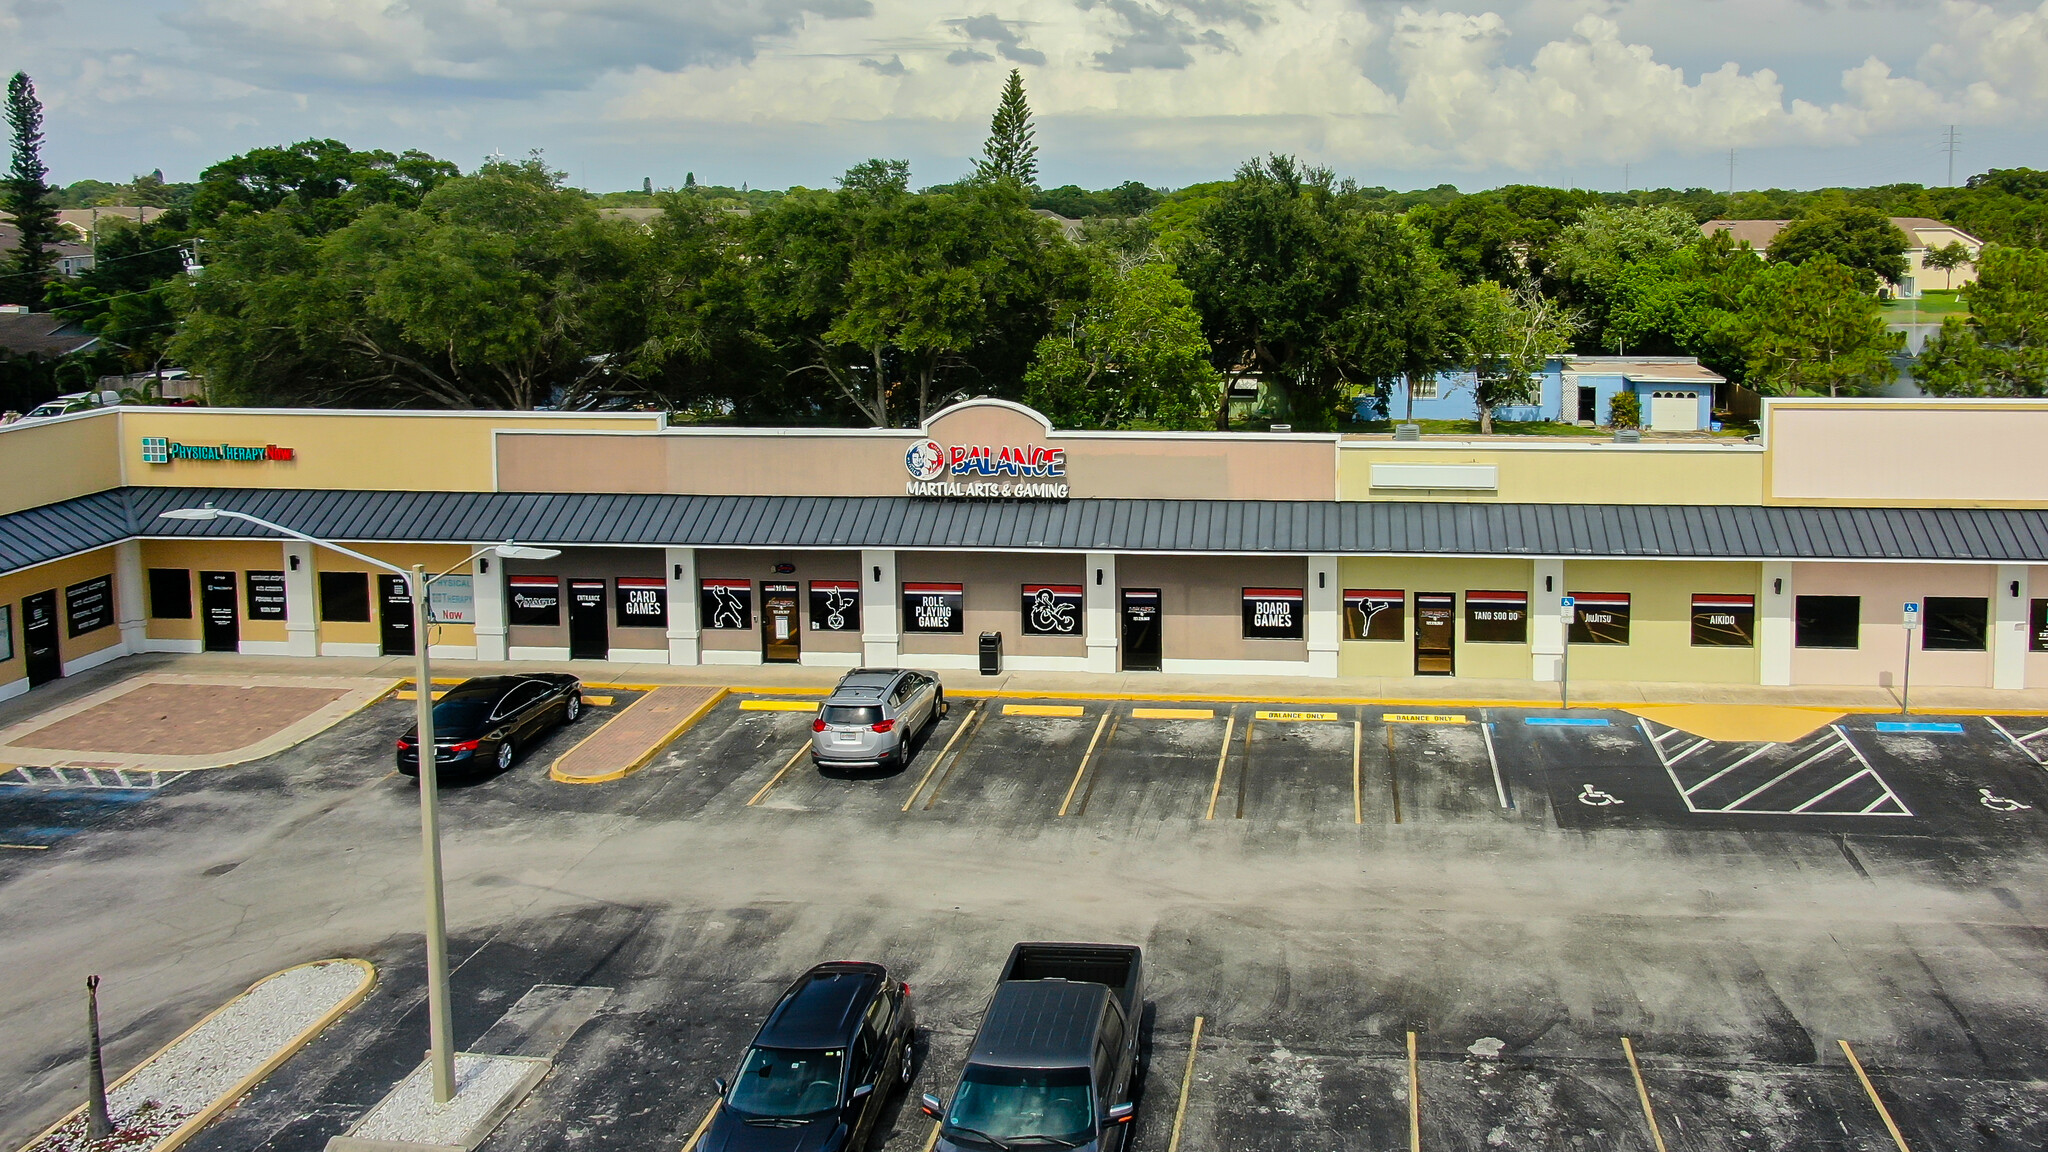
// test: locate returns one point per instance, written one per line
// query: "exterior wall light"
(2015, 589)
(878, 573)
(295, 562)
(1098, 577)
(1778, 587)
(483, 565)
(679, 572)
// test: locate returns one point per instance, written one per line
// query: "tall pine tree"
(28, 197)
(1009, 153)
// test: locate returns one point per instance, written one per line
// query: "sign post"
(1906, 686)
(1567, 612)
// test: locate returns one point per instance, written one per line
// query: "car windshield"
(850, 714)
(787, 1082)
(460, 714)
(1015, 1104)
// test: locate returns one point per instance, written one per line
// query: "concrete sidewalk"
(1372, 690)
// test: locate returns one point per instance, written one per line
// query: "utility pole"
(1624, 180)
(1731, 172)
(1950, 141)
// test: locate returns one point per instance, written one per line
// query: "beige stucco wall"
(1879, 657)
(58, 575)
(45, 461)
(1660, 645)
(1429, 574)
(435, 557)
(1569, 472)
(759, 567)
(195, 556)
(1954, 453)
(605, 564)
(1201, 601)
(2037, 662)
(992, 599)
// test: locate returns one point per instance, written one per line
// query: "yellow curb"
(1173, 713)
(205, 1116)
(778, 706)
(682, 726)
(1041, 710)
(1294, 715)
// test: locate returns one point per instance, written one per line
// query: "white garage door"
(1674, 412)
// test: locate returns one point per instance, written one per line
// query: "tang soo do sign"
(1013, 471)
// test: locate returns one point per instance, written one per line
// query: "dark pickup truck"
(1055, 1062)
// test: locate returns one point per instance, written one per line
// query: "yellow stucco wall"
(1569, 473)
(50, 460)
(195, 556)
(57, 574)
(1457, 576)
(1660, 621)
(435, 556)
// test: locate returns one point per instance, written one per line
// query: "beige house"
(1922, 236)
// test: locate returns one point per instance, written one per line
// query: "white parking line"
(1811, 758)
(2020, 742)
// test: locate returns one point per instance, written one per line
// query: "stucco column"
(487, 602)
(2009, 627)
(129, 581)
(301, 607)
(1099, 616)
(685, 630)
(1325, 609)
(1774, 624)
(1546, 620)
(881, 609)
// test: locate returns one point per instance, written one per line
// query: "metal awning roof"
(1712, 532)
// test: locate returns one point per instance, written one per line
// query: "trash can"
(991, 653)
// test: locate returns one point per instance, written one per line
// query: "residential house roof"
(42, 334)
(1649, 369)
(1920, 231)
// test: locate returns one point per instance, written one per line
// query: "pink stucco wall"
(2037, 662)
(1947, 453)
(1885, 588)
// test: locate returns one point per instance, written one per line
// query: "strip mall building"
(1784, 561)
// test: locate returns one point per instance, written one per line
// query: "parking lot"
(1521, 890)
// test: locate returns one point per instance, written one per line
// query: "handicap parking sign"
(1912, 613)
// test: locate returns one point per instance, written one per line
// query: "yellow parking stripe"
(1628, 1049)
(778, 705)
(1042, 710)
(701, 1126)
(777, 778)
(1223, 758)
(1294, 715)
(1187, 1080)
(1871, 1090)
(1414, 1099)
(1173, 713)
(1422, 718)
(1085, 757)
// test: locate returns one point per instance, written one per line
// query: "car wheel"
(504, 755)
(575, 708)
(906, 1067)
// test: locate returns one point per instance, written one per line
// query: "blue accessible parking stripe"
(1919, 726)
(1566, 721)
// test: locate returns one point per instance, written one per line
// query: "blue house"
(1676, 393)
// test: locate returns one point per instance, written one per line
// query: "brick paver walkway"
(633, 736)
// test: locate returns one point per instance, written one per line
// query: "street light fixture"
(440, 1016)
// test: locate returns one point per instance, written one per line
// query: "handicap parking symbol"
(1596, 798)
(2000, 803)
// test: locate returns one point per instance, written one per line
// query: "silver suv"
(873, 717)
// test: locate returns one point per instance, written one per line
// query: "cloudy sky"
(779, 92)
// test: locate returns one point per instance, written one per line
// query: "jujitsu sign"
(986, 471)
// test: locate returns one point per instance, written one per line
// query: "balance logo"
(926, 461)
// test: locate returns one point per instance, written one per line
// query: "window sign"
(643, 602)
(835, 605)
(933, 608)
(266, 596)
(1272, 613)
(2037, 631)
(1723, 621)
(1374, 613)
(727, 604)
(535, 601)
(1602, 618)
(1497, 617)
(450, 599)
(89, 605)
(1053, 609)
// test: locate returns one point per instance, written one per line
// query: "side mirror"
(721, 1085)
(860, 1092)
(931, 1106)
(1123, 1113)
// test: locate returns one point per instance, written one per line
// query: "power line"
(1950, 141)
(1731, 172)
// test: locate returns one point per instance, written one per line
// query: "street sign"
(1568, 612)
(1912, 613)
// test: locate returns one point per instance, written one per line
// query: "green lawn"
(1471, 428)
(1932, 307)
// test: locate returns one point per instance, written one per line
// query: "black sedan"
(817, 1075)
(485, 721)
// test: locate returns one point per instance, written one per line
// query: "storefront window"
(6, 631)
(1599, 618)
(1272, 613)
(535, 601)
(266, 596)
(642, 602)
(2038, 627)
(1723, 621)
(835, 605)
(1374, 613)
(1052, 609)
(1496, 617)
(1955, 623)
(170, 593)
(345, 597)
(933, 608)
(1826, 621)
(727, 605)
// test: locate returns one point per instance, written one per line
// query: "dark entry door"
(781, 642)
(39, 637)
(588, 635)
(1589, 403)
(1436, 630)
(1141, 629)
(220, 612)
(394, 613)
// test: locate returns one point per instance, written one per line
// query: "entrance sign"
(1723, 621)
(1272, 613)
(1053, 609)
(1374, 613)
(948, 471)
(89, 605)
(643, 602)
(727, 604)
(835, 605)
(266, 596)
(1436, 633)
(536, 601)
(933, 608)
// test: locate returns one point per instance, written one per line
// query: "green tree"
(1129, 355)
(1812, 329)
(1009, 153)
(1948, 258)
(28, 197)
(323, 184)
(1508, 337)
(1589, 257)
(1503, 235)
(2002, 349)
(1863, 240)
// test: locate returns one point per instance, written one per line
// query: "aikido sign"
(985, 471)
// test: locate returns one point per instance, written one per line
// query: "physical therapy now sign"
(159, 450)
(986, 471)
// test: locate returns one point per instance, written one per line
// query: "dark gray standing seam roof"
(1708, 532)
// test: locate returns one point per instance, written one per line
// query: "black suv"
(816, 1077)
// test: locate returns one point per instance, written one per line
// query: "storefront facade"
(1778, 562)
